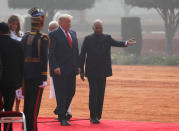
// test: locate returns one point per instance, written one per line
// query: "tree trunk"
(169, 39)
(82, 16)
(131, 27)
(48, 18)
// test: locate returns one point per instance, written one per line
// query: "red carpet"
(50, 124)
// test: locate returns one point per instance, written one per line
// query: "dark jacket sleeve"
(52, 59)
(24, 39)
(116, 43)
(1, 67)
(78, 56)
(83, 54)
(78, 59)
(44, 57)
(21, 62)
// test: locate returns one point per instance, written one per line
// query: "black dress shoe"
(65, 123)
(59, 119)
(55, 111)
(68, 116)
(94, 121)
(55, 118)
(97, 120)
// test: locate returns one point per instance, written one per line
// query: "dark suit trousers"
(96, 96)
(32, 100)
(65, 87)
(8, 94)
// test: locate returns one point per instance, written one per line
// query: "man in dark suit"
(12, 63)
(96, 55)
(53, 25)
(64, 64)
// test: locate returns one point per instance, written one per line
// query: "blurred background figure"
(53, 25)
(15, 28)
(16, 34)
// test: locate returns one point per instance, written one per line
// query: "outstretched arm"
(122, 43)
(117, 43)
(131, 41)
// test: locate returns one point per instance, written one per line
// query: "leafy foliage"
(52, 4)
(145, 60)
(167, 4)
(168, 10)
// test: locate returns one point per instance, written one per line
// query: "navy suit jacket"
(61, 54)
(96, 55)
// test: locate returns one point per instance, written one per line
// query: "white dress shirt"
(14, 36)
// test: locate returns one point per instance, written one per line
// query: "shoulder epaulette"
(27, 32)
(30, 32)
(45, 37)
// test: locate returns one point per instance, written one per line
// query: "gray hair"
(98, 21)
(53, 23)
(65, 16)
(52, 26)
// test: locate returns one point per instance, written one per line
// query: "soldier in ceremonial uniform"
(35, 67)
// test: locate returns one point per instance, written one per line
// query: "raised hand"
(131, 41)
(57, 71)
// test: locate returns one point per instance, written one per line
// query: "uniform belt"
(30, 59)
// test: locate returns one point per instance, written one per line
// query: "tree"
(52, 6)
(126, 8)
(168, 10)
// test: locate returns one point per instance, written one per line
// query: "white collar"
(64, 31)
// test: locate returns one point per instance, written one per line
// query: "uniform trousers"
(32, 100)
